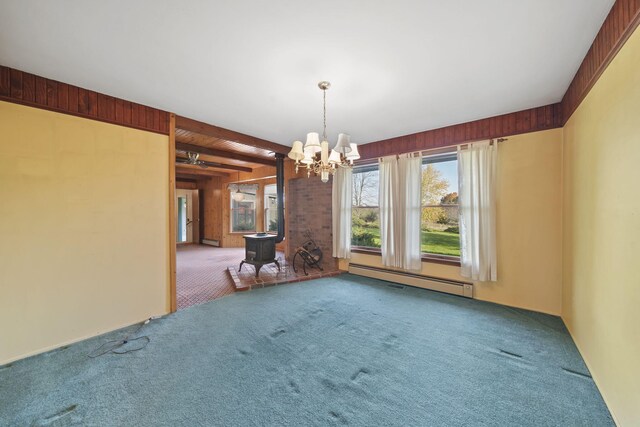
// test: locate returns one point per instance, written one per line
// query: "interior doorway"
(201, 270)
(207, 158)
(187, 216)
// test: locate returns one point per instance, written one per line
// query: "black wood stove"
(260, 249)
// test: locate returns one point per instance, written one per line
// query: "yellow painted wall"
(529, 227)
(601, 286)
(83, 228)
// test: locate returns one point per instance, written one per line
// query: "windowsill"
(243, 232)
(441, 259)
(433, 258)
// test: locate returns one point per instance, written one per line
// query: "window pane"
(439, 221)
(365, 227)
(365, 186)
(243, 214)
(270, 208)
(439, 181)
(440, 233)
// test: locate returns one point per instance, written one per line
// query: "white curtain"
(409, 186)
(388, 179)
(341, 212)
(399, 198)
(477, 164)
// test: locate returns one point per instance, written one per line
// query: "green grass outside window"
(432, 242)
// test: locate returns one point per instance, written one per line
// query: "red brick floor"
(201, 273)
(205, 273)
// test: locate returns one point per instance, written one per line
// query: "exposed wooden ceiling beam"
(183, 170)
(221, 153)
(219, 165)
(192, 178)
(229, 135)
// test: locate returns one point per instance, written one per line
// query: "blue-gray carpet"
(337, 351)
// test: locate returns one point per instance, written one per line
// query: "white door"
(184, 212)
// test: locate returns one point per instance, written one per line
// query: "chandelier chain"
(324, 117)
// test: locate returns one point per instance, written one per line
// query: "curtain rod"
(448, 148)
(451, 147)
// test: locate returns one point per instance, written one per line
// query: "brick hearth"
(246, 279)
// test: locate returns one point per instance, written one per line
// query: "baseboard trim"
(70, 342)
(411, 279)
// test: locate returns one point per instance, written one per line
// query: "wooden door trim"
(173, 306)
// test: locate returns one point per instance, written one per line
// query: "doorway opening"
(187, 216)
(204, 161)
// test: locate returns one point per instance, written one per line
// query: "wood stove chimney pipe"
(280, 195)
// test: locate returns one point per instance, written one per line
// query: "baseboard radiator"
(211, 242)
(432, 283)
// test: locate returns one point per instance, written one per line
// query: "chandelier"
(342, 155)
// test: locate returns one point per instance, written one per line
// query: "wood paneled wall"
(186, 185)
(212, 208)
(217, 204)
(622, 20)
(235, 240)
(532, 120)
(260, 176)
(35, 91)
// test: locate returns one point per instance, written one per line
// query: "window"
(439, 216)
(243, 213)
(365, 214)
(270, 208)
(439, 221)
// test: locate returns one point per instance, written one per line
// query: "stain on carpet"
(54, 418)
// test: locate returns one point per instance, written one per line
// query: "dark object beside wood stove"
(260, 249)
(310, 253)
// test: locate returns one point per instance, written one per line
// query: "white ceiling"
(396, 67)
